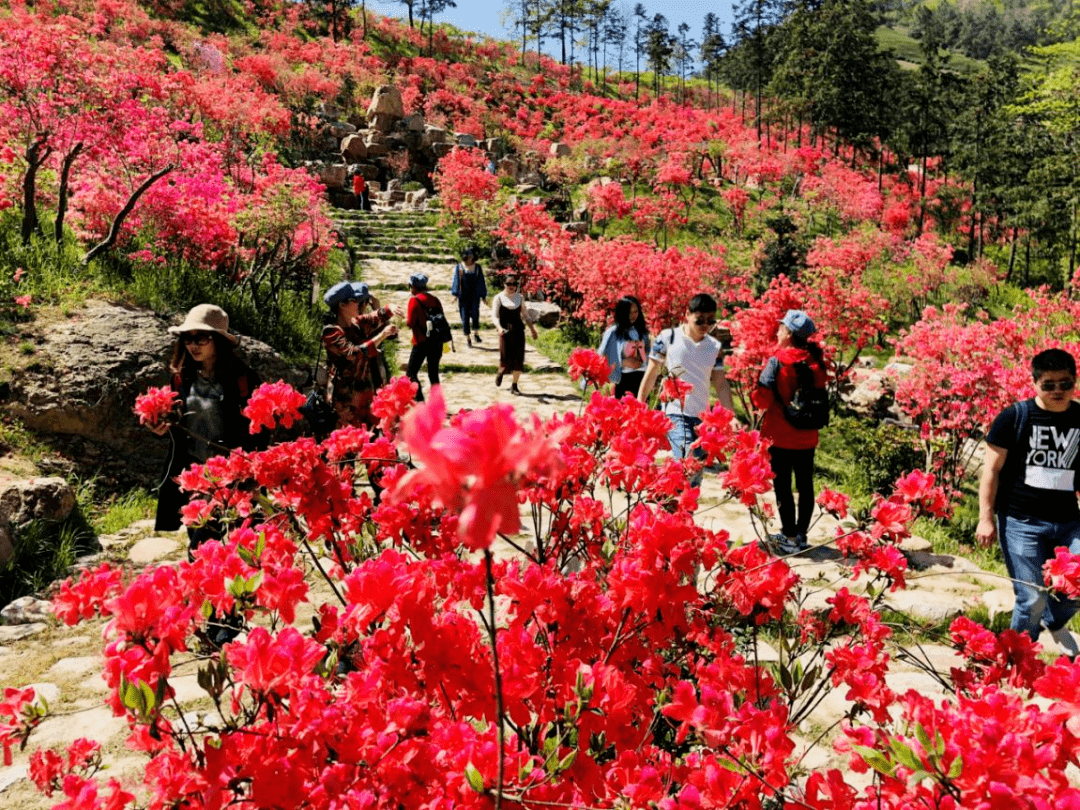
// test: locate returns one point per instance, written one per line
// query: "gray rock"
(94, 724)
(11, 775)
(76, 665)
(27, 610)
(394, 185)
(465, 139)
(153, 549)
(354, 148)
(434, 135)
(91, 367)
(35, 499)
(7, 545)
(46, 694)
(542, 313)
(414, 122)
(926, 605)
(17, 632)
(386, 101)
(579, 228)
(559, 150)
(341, 129)
(508, 166)
(333, 175)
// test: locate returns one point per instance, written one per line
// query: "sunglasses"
(1062, 385)
(704, 321)
(197, 338)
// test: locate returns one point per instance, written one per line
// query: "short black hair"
(702, 302)
(1052, 360)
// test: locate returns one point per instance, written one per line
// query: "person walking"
(693, 356)
(469, 288)
(359, 185)
(1027, 493)
(507, 312)
(793, 447)
(422, 305)
(353, 341)
(623, 346)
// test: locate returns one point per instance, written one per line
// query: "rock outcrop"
(79, 392)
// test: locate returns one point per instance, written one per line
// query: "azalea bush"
(406, 643)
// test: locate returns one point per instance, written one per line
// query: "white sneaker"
(1064, 642)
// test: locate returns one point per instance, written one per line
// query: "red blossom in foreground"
(393, 401)
(1062, 573)
(675, 389)
(589, 365)
(85, 598)
(474, 466)
(18, 715)
(272, 403)
(156, 405)
(835, 503)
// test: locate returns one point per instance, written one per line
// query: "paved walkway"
(65, 664)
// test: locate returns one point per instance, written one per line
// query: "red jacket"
(358, 184)
(416, 317)
(775, 425)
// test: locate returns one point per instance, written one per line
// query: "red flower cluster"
(274, 403)
(590, 366)
(156, 405)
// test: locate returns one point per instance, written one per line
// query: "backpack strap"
(1023, 416)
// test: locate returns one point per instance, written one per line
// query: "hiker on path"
(352, 339)
(508, 314)
(422, 305)
(1027, 494)
(469, 288)
(797, 363)
(692, 355)
(623, 346)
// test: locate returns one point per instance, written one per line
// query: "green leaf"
(956, 767)
(474, 778)
(905, 755)
(568, 760)
(875, 759)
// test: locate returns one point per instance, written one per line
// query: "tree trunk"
(62, 194)
(36, 154)
(118, 220)
(1012, 256)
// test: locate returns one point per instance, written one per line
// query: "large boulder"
(353, 148)
(465, 139)
(386, 108)
(341, 129)
(559, 150)
(332, 175)
(434, 135)
(414, 123)
(79, 391)
(543, 313)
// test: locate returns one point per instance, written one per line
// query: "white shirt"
(689, 362)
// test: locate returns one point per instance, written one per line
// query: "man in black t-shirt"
(1030, 481)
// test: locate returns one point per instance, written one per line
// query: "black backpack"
(809, 407)
(438, 326)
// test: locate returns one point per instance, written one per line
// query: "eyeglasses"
(197, 338)
(704, 321)
(1060, 385)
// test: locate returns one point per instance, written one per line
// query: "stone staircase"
(397, 235)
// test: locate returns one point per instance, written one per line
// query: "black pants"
(629, 383)
(429, 351)
(784, 463)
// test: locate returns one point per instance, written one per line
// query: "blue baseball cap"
(418, 280)
(798, 323)
(343, 291)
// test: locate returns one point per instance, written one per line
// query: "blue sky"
(486, 18)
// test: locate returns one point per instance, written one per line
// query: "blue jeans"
(1027, 543)
(683, 433)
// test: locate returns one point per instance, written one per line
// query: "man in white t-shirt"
(693, 356)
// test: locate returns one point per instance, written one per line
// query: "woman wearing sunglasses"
(213, 385)
(507, 311)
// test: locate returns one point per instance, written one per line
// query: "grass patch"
(121, 510)
(45, 550)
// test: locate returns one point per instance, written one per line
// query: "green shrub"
(869, 456)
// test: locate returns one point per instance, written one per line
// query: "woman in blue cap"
(469, 288)
(352, 340)
(422, 305)
(797, 370)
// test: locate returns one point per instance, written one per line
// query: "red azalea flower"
(155, 405)
(273, 402)
(590, 365)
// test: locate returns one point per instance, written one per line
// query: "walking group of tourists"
(1027, 494)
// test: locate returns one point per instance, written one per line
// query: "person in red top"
(359, 190)
(420, 304)
(792, 450)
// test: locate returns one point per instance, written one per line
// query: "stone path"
(65, 664)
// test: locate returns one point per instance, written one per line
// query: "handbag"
(317, 410)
